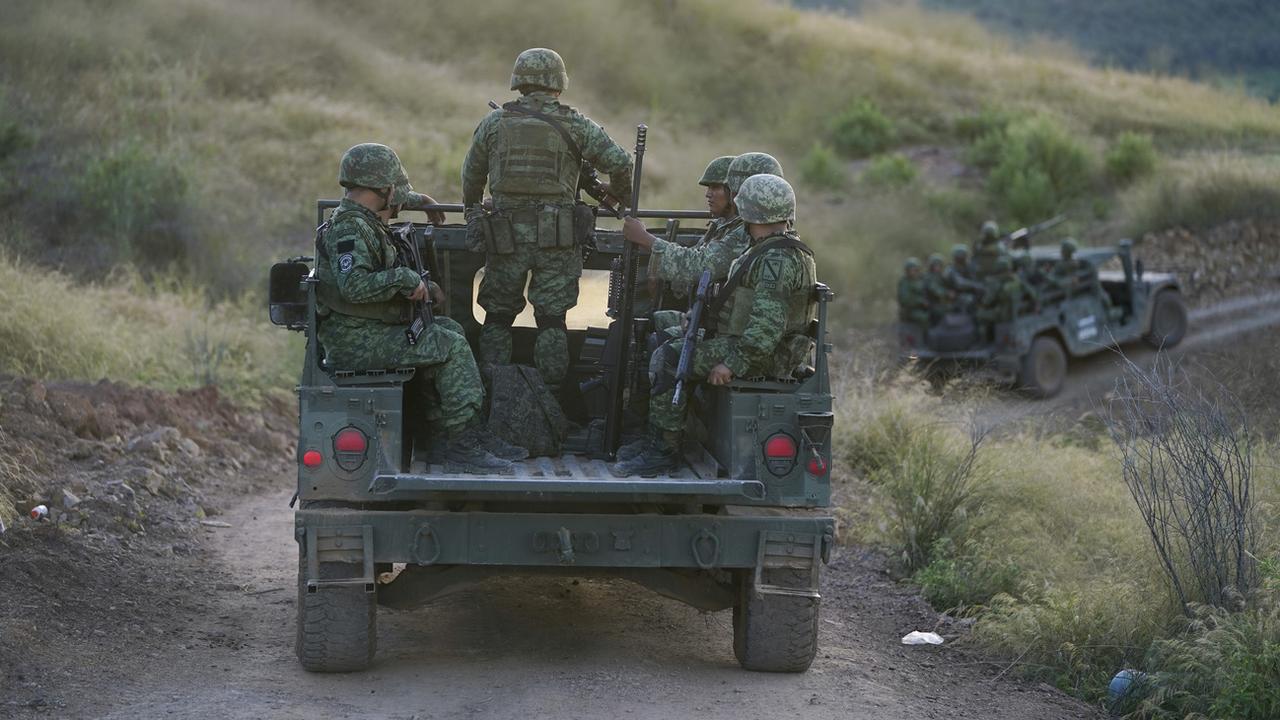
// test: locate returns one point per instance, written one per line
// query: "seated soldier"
(961, 280)
(761, 318)
(1075, 276)
(913, 302)
(938, 295)
(1006, 296)
(363, 298)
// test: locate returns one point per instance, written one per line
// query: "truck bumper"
(426, 538)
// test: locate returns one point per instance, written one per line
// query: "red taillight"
(312, 458)
(780, 454)
(780, 446)
(817, 466)
(350, 440)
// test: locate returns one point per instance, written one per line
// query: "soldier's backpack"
(523, 411)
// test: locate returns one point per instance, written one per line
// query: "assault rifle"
(692, 325)
(1020, 239)
(624, 321)
(407, 250)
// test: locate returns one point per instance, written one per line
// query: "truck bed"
(568, 477)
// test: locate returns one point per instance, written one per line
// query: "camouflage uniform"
(533, 176)
(761, 329)
(1007, 294)
(913, 299)
(988, 250)
(936, 290)
(1070, 274)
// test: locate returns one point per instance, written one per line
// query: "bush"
(961, 581)
(988, 121)
(890, 171)
(1132, 156)
(862, 130)
(1203, 192)
(821, 168)
(137, 200)
(1039, 168)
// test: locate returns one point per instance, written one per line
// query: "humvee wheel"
(337, 625)
(1044, 368)
(774, 633)
(1168, 320)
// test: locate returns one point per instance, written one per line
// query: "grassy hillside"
(1224, 40)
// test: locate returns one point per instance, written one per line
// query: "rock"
(145, 478)
(69, 499)
(188, 447)
(33, 393)
(73, 412)
(156, 444)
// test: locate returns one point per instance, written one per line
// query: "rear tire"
(774, 633)
(337, 625)
(1044, 368)
(1168, 320)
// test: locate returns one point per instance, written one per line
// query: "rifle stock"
(694, 322)
(408, 251)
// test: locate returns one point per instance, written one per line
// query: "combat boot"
(466, 453)
(635, 447)
(658, 456)
(500, 448)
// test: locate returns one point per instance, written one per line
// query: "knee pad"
(505, 320)
(549, 322)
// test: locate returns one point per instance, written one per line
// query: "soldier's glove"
(474, 215)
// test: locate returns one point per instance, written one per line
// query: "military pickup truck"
(739, 526)
(1032, 350)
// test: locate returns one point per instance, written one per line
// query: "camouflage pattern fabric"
(523, 412)
(985, 257)
(717, 172)
(539, 67)
(764, 199)
(721, 244)
(359, 268)
(913, 303)
(665, 416)
(553, 290)
(749, 164)
(1007, 295)
(938, 295)
(371, 165)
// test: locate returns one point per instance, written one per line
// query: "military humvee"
(1032, 351)
(737, 527)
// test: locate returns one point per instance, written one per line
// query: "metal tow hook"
(566, 546)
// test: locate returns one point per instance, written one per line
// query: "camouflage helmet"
(960, 251)
(1003, 264)
(717, 172)
(912, 263)
(539, 67)
(765, 199)
(374, 166)
(1069, 247)
(990, 230)
(748, 164)
(935, 259)
(1022, 260)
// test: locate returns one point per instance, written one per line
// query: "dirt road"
(513, 648)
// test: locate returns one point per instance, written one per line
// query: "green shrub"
(862, 130)
(961, 581)
(1132, 156)
(1040, 168)
(963, 210)
(988, 121)
(136, 200)
(890, 171)
(821, 168)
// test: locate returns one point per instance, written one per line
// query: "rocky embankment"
(1230, 260)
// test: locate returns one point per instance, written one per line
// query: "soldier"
(363, 304)
(1007, 294)
(1071, 274)
(913, 302)
(988, 249)
(761, 320)
(530, 152)
(938, 294)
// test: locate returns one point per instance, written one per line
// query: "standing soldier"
(1007, 294)
(988, 249)
(531, 153)
(761, 319)
(913, 302)
(363, 307)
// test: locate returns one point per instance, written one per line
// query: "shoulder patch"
(346, 246)
(346, 262)
(771, 270)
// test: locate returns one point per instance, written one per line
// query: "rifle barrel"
(322, 205)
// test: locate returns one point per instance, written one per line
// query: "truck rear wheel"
(1168, 320)
(1044, 368)
(775, 633)
(337, 625)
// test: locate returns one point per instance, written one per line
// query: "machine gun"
(693, 324)
(622, 331)
(407, 250)
(1020, 239)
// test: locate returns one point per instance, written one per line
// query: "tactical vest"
(801, 305)
(529, 157)
(329, 298)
